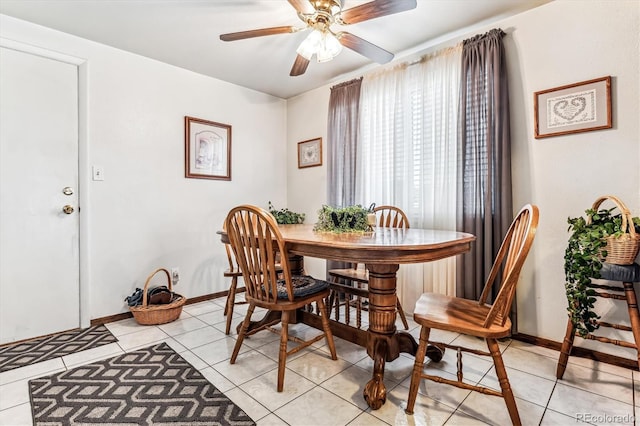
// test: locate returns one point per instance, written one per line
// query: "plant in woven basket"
(585, 252)
(342, 219)
(286, 216)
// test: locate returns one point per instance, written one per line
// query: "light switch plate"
(98, 173)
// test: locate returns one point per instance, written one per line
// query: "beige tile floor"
(319, 391)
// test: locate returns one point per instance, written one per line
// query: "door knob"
(67, 209)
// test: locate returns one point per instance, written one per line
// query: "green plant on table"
(286, 216)
(586, 249)
(342, 219)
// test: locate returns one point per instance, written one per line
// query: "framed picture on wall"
(574, 108)
(207, 149)
(310, 153)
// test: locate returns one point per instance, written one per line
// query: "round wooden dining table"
(382, 251)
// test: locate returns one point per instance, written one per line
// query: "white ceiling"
(186, 33)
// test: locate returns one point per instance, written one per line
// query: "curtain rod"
(347, 83)
(421, 59)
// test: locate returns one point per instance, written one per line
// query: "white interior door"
(39, 242)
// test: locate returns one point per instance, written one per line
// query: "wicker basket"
(158, 314)
(621, 250)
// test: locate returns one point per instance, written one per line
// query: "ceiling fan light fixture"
(319, 16)
(310, 45)
(323, 44)
(330, 47)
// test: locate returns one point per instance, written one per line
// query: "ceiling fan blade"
(258, 33)
(299, 66)
(303, 6)
(365, 48)
(375, 9)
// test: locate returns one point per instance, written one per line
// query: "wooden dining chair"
(478, 318)
(234, 273)
(256, 241)
(388, 217)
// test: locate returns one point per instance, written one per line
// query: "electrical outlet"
(175, 275)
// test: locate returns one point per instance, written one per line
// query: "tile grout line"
(546, 407)
(633, 397)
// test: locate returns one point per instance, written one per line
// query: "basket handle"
(146, 284)
(627, 219)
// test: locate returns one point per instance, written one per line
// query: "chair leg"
(401, 312)
(243, 331)
(231, 300)
(324, 316)
(347, 309)
(565, 350)
(330, 299)
(282, 355)
(634, 316)
(507, 393)
(416, 376)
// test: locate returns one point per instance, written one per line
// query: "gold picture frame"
(207, 146)
(574, 108)
(310, 153)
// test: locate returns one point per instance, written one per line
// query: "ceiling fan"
(319, 15)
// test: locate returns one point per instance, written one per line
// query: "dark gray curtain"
(342, 135)
(484, 175)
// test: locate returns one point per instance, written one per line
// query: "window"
(407, 153)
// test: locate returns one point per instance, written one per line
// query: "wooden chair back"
(256, 240)
(391, 217)
(508, 263)
(388, 217)
(231, 258)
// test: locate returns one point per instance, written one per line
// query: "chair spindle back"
(256, 241)
(391, 217)
(511, 256)
(231, 258)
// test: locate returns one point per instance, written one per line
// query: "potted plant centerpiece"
(603, 236)
(343, 219)
(286, 216)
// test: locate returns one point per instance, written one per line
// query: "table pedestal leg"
(375, 393)
(382, 342)
(296, 264)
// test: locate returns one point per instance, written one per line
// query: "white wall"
(559, 43)
(307, 117)
(145, 214)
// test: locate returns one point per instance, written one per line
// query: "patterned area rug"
(45, 348)
(150, 386)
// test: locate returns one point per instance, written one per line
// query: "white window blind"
(407, 155)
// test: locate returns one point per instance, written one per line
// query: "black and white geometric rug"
(49, 347)
(150, 386)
